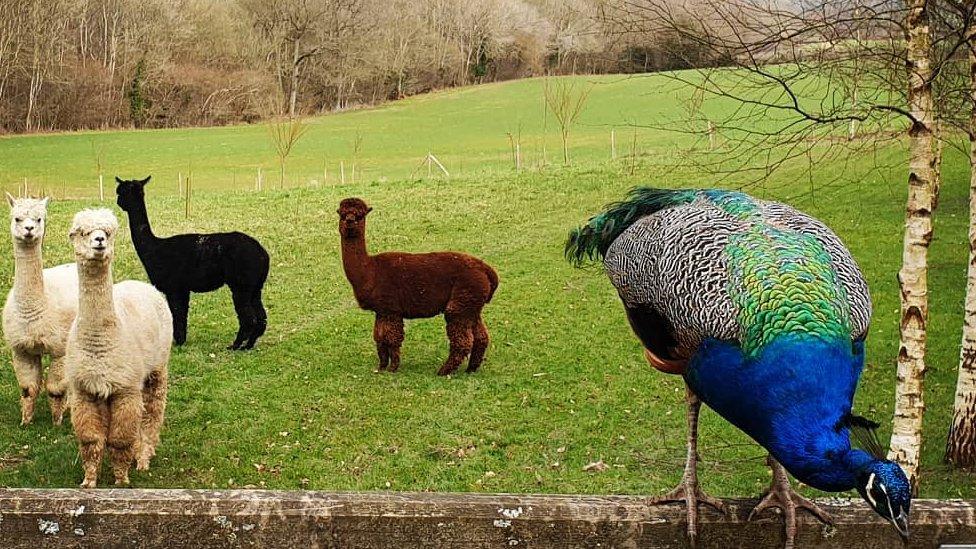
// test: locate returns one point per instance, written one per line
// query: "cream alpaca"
(39, 310)
(117, 356)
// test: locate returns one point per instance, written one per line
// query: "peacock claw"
(681, 493)
(691, 495)
(782, 496)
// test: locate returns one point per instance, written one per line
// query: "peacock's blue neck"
(790, 397)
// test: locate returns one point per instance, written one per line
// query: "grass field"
(465, 129)
(564, 384)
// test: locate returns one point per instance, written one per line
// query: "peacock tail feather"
(595, 237)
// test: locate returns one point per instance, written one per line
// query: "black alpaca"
(188, 263)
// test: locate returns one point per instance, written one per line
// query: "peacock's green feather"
(595, 237)
(781, 281)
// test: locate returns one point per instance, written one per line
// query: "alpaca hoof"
(142, 464)
(26, 417)
(122, 481)
(57, 414)
(88, 483)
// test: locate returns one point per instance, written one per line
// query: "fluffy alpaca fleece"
(188, 263)
(398, 285)
(39, 310)
(117, 356)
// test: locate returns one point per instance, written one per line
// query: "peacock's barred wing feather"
(725, 265)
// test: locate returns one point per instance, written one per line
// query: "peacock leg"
(782, 496)
(687, 490)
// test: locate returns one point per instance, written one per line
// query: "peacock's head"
(883, 484)
(27, 217)
(93, 235)
(352, 217)
(130, 193)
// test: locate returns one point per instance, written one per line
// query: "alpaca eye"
(18, 219)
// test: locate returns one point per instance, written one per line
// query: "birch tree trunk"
(906, 437)
(961, 444)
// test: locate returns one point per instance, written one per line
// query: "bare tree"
(565, 98)
(284, 135)
(906, 436)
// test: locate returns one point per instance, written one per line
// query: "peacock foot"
(691, 495)
(782, 496)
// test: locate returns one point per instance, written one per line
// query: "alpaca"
(186, 263)
(398, 285)
(39, 310)
(117, 356)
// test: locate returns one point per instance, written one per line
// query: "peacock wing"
(842, 263)
(671, 273)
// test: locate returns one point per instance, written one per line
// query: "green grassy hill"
(466, 129)
(564, 384)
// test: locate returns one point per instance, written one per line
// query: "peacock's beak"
(901, 524)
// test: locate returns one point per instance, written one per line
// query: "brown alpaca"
(398, 285)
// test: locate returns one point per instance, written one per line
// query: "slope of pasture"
(466, 129)
(564, 384)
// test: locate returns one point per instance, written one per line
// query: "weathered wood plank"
(257, 518)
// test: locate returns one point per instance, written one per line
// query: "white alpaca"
(39, 310)
(117, 356)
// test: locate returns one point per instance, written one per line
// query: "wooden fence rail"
(256, 518)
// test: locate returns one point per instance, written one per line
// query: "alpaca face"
(352, 217)
(27, 217)
(130, 193)
(93, 235)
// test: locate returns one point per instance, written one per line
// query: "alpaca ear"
(119, 181)
(45, 200)
(146, 180)
(10, 198)
(368, 209)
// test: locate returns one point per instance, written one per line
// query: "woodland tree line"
(81, 64)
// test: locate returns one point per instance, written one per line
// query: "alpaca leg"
(56, 388)
(393, 336)
(245, 320)
(379, 336)
(27, 368)
(459, 332)
(179, 306)
(481, 340)
(154, 399)
(260, 324)
(124, 433)
(90, 421)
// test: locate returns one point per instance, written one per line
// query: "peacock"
(764, 312)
